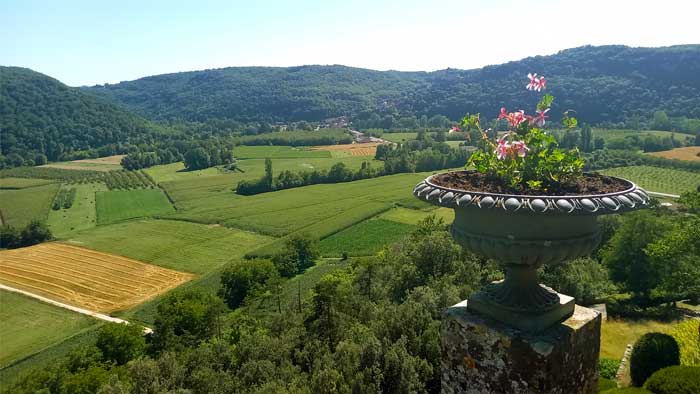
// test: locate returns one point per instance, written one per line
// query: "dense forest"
(42, 119)
(610, 85)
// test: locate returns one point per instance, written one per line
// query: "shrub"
(121, 343)
(240, 278)
(608, 367)
(675, 380)
(687, 335)
(652, 352)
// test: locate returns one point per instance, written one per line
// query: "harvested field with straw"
(367, 149)
(689, 153)
(85, 278)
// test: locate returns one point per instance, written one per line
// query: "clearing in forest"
(85, 278)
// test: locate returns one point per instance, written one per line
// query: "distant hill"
(40, 115)
(604, 84)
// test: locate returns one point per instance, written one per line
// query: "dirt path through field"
(96, 315)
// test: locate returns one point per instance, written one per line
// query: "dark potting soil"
(478, 182)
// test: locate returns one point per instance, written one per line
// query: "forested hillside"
(606, 85)
(41, 118)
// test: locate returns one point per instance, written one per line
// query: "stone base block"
(483, 356)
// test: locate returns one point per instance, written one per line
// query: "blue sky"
(94, 42)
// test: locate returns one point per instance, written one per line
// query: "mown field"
(19, 207)
(177, 245)
(278, 152)
(113, 206)
(85, 278)
(655, 179)
(80, 216)
(27, 326)
(22, 183)
(399, 137)
(108, 163)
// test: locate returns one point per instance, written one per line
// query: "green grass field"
(114, 206)
(189, 191)
(282, 212)
(22, 183)
(81, 216)
(413, 216)
(365, 238)
(616, 334)
(27, 326)
(19, 207)
(655, 179)
(399, 137)
(276, 152)
(189, 187)
(619, 134)
(179, 245)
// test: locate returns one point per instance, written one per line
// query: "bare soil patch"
(85, 278)
(477, 182)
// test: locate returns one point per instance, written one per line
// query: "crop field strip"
(85, 278)
(23, 183)
(655, 179)
(116, 205)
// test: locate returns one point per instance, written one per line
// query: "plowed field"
(85, 278)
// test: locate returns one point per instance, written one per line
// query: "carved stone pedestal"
(483, 356)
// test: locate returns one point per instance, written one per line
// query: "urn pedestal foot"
(530, 321)
(481, 355)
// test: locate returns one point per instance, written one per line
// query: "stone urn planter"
(523, 232)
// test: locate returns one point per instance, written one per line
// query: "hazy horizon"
(81, 43)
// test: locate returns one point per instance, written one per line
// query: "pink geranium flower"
(502, 148)
(540, 118)
(515, 118)
(542, 83)
(536, 83)
(503, 114)
(520, 148)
